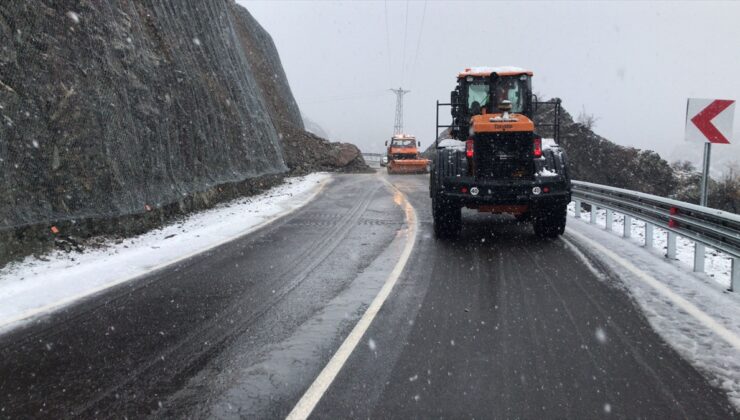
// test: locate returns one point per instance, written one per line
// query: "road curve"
(497, 324)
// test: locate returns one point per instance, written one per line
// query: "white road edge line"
(66, 301)
(651, 281)
(316, 391)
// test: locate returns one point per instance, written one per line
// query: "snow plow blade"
(416, 166)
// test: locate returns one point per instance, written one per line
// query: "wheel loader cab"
(485, 93)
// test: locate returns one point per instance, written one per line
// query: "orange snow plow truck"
(404, 157)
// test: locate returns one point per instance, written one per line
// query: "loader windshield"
(513, 89)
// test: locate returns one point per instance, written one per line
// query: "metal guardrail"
(372, 157)
(704, 226)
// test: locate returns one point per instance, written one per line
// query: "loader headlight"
(536, 190)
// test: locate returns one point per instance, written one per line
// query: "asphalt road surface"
(496, 324)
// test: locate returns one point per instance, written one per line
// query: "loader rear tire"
(447, 219)
(549, 222)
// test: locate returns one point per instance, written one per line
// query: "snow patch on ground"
(693, 340)
(33, 287)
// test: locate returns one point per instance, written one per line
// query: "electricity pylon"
(398, 126)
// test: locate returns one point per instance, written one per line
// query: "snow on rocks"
(37, 286)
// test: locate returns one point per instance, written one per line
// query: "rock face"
(117, 114)
(117, 107)
(113, 106)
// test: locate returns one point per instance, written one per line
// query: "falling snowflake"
(371, 344)
(601, 335)
(607, 408)
(74, 16)
(196, 41)
(35, 143)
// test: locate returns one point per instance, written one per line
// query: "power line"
(405, 33)
(418, 43)
(355, 95)
(388, 44)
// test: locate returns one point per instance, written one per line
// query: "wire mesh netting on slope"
(110, 108)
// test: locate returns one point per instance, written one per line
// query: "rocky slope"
(595, 159)
(121, 109)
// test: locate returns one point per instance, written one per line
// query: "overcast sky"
(632, 65)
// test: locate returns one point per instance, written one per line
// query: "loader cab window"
(513, 89)
(478, 92)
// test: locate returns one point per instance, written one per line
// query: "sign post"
(705, 174)
(709, 121)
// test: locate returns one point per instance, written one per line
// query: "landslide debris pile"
(126, 107)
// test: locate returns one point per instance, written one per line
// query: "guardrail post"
(671, 251)
(609, 219)
(594, 209)
(648, 235)
(735, 274)
(578, 209)
(698, 257)
(627, 233)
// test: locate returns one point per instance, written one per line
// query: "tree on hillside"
(724, 194)
(587, 120)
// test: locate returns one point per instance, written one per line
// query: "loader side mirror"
(453, 97)
(386, 142)
(418, 143)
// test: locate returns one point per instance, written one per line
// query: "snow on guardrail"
(705, 227)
